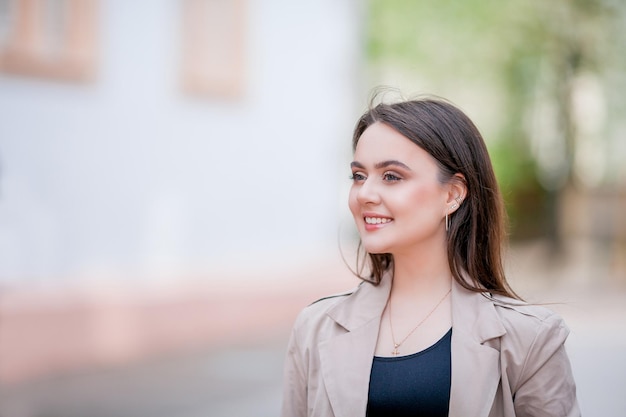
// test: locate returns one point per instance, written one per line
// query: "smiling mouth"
(377, 220)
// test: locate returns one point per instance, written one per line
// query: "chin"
(375, 249)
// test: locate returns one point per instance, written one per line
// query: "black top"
(416, 385)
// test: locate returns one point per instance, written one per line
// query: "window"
(48, 38)
(213, 47)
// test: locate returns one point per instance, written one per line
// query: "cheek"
(352, 201)
(428, 200)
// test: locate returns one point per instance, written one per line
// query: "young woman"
(435, 330)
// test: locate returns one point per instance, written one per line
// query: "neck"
(421, 273)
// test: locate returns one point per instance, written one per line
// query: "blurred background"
(174, 175)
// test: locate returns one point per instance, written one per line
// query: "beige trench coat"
(508, 358)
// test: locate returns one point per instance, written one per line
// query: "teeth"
(376, 220)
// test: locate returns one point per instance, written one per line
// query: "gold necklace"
(395, 351)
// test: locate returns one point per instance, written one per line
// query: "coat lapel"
(346, 359)
(475, 364)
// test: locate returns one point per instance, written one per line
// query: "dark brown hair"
(477, 229)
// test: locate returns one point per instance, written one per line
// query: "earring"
(452, 207)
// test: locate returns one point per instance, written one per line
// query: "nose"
(368, 193)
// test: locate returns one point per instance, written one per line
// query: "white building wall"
(130, 177)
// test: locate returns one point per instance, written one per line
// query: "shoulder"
(533, 356)
(318, 309)
(521, 317)
(534, 339)
(512, 324)
(331, 299)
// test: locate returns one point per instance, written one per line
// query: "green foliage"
(523, 195)
(524, 52)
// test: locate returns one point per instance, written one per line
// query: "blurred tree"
(539, 59)
(558, 42)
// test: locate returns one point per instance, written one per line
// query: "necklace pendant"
(395, 350)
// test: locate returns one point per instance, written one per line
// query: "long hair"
(476, 235)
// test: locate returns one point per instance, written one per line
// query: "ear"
(457, 192)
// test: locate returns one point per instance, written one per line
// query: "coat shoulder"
(317, 311)
(533, 343)
(334, 297)
(519, 316)
(533, 356)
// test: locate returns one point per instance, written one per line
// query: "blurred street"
(241, 381)
(245, 379)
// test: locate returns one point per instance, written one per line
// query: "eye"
(358, 177)
(391, 177)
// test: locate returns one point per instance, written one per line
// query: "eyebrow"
(382, 164)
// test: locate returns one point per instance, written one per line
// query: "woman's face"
(398, 203)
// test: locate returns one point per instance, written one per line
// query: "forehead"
(381, 142)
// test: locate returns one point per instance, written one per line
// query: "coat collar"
(364, 305)
(346, 359)
(475, 363)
